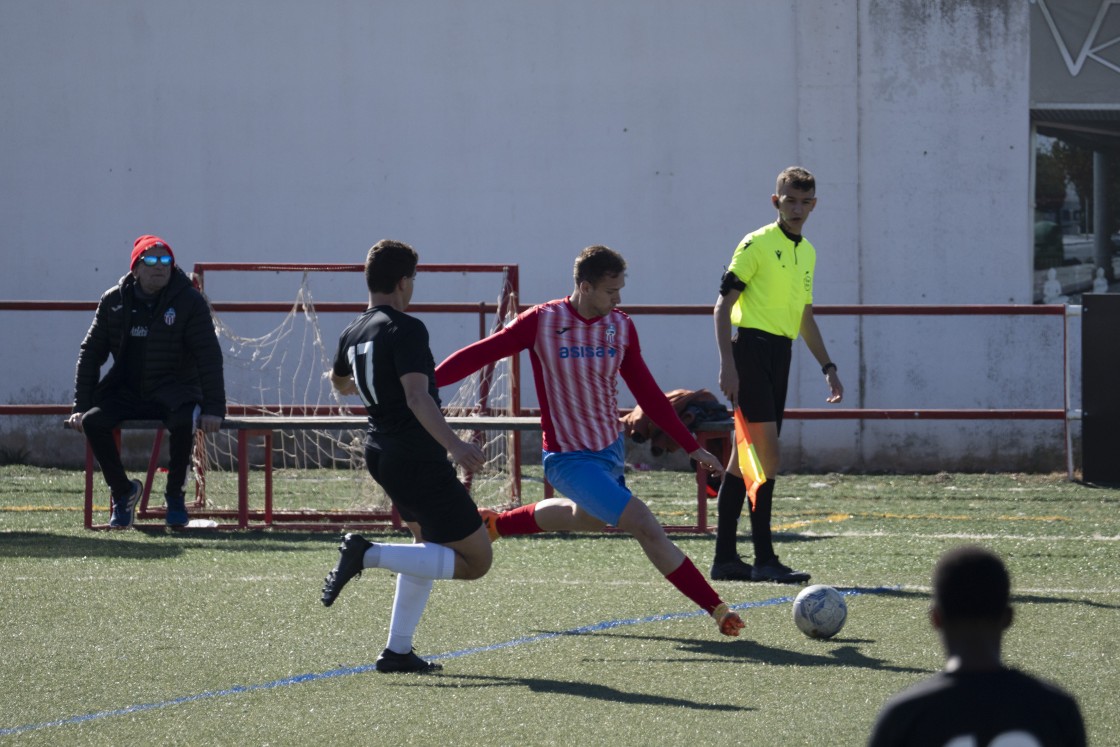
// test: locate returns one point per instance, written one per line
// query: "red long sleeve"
(502, 344)
(652, 400)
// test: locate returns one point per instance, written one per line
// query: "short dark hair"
(596, 262)
(387, 262)
(796, 177)
(971, 583)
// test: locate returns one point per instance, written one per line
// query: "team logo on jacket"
(169, 317)
(610, 334)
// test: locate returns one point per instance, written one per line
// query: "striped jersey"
(576, 364)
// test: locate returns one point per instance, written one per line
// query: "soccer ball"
(820, 611)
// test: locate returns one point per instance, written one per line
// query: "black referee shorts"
(762, 361)
(426, 492)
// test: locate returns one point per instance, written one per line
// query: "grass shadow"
(157, 542)
(250, 540)
(1098, 485)
(1015, 598)
(586, 690)
(49, 545)
(1039, 599)
(841, 653)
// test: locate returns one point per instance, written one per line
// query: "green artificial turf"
(217, 637)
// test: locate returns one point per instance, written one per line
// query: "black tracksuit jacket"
(182, 362)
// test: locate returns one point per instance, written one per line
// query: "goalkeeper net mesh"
(280, 369)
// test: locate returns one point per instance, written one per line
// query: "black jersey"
(377, 349)
(976, 708)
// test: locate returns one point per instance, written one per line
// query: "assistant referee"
(765, 301)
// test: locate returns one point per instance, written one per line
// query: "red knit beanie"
(143, 244)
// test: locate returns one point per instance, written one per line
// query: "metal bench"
(714, 436)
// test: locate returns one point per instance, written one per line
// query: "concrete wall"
(502, 131)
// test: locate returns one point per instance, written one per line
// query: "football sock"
(691, 582)
(760, 522)
(518, 521)
(408, 606)
(732, 494)
(423, 559)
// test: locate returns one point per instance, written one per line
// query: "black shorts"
(428, 493)
(762, 362)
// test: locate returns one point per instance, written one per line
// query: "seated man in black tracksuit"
(167, 365)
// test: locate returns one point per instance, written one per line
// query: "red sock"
(693, 585)
(518, 521)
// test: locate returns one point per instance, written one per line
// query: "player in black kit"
(976, 701)
(383, 357)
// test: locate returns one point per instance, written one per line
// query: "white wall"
(944, 215)
(521, 132)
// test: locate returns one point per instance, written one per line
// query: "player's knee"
(571, 507)
(649, 533)
(640, 522)
(474, 567)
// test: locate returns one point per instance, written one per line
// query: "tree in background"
(1075, 163)
(1049, 197)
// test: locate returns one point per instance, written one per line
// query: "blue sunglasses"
(153, 261)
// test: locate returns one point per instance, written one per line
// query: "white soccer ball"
(820, 611)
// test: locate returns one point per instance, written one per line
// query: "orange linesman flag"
(749, 464)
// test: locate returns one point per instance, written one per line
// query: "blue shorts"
(594, 480)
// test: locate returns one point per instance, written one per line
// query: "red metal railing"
(1064, 413)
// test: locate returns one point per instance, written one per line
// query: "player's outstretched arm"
(427, 412)
(708, 459)
(653, 401)
(508, 341)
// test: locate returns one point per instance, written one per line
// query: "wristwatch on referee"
(827, 367)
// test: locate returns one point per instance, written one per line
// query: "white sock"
(408, 606)
(423, 559)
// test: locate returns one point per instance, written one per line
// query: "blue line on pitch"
(347, 671)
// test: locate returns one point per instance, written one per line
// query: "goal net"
(277, 355)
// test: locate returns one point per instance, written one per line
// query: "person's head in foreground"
(971, 606)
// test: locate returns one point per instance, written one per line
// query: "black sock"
(760, 522)
(729, 502)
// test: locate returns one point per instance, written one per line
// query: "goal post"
(278, 326)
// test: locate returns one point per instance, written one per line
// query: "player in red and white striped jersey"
(578, 347)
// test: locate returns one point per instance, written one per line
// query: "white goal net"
(277, 356)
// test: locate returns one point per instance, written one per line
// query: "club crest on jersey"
(169, 317)
(610, 333)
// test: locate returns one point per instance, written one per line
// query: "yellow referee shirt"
(779, 278)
